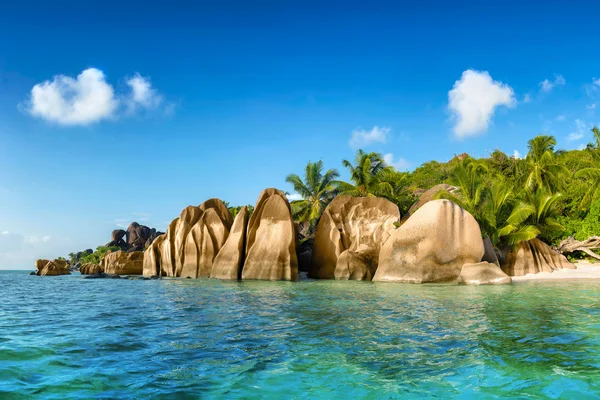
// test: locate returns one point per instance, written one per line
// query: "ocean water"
(67, 337)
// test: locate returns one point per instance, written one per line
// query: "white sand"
(585, 270)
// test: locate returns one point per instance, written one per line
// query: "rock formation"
(483, 273)
(191, 243)
(136, 238)
(122, 263)
(427, 196)
(432, 246)
(230, 260)
(349, 236)
(533, 256)
(489, 254)
(52, 268)
(90, 269)
(271, 240)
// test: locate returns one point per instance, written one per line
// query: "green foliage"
(234, 210)
(591, 223)
(317, 191)
(97, 256)
(366, 174)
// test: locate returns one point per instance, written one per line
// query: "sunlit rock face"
(271, 240)
(90, 269)
(350, 235)
(230, 260)
(483, 273)
(191, 242)
(52, 267)
(431, 246)
(122, 263)
(428, 196)
(533, 256)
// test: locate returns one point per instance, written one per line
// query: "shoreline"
(585, 271)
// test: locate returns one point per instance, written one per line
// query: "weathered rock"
(151, 266)
(349, 236)
(117, 235)
(191, 243)
(54, 268)
(489, 254)
(90, 269)
(122, 263)
(40, 264)
(427, 196)
(271, 239)
(432, 246)
(533, 256)
(483, 273)
(33, 273)
(229, 261)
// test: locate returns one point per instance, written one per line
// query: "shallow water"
(68, 337)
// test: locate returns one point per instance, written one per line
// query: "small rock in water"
(154, 277)
(32, 273)
(102, 276)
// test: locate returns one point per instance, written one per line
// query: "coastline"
(585, 271)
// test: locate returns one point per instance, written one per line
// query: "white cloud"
(399, 164)
(361, 137)
(582, 147)
(474, 99)
(527, 98)
(574, 136)
(294, 196)
(561, 118)
(579, 132)
(142, 93)
(516, 155)
(547, 85)
(81, 101)
(591, 106)
(89, 98)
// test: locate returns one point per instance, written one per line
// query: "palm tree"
(468, 176)
(317, 191)
(591, 174)
(400, 182)
(544, 171)
(504, 218)
(366, 175)
(545, 210)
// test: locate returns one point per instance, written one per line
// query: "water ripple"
(67, 337)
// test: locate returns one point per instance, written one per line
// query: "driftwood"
(571, 245)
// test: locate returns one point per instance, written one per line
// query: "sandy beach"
(585, 270)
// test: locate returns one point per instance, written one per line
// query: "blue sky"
(115, 112)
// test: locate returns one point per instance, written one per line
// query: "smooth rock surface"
(122, 263)
(427, 196)
(271, 238)
(483, 273)
(432, 246)
(489, 254)
(349, 236)
(229, 261)
(532, 257)
(90, 269)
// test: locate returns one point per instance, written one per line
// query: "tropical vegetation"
(549, 194)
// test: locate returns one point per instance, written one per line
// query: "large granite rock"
(483, 273)
(151, 264)
(122, 263)
(139, 236)
(229, 261)
(52, 268)
(533, 256)
(271, 238)
(349, 236)
(427, 196)
(432, 246)
(90, 269)
(191, 243)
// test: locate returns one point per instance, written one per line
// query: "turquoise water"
(68, 337)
